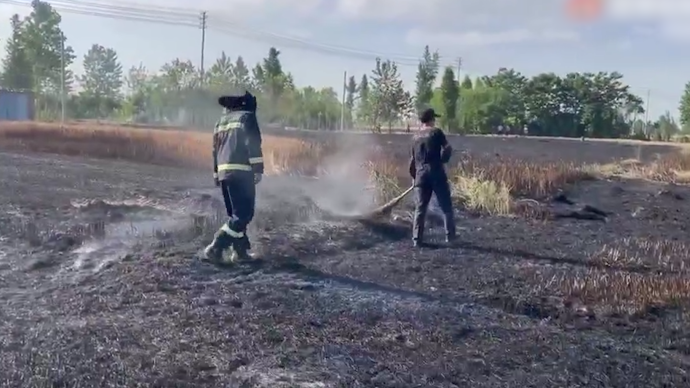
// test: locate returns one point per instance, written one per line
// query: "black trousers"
(239, 195)
(424, 188)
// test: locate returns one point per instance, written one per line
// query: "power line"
(104, 7)
(224, 24)
(130, 16)
(190, 18)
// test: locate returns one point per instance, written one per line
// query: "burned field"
(100, 286)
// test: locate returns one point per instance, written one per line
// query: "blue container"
(16, 106)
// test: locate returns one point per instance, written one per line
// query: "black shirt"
(429, 151)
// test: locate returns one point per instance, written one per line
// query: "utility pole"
(459, 67)
(62, 78)
(203, 43)
(646, 112)
(342, 104)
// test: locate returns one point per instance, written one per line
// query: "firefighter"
(430, 152)
(237, 168)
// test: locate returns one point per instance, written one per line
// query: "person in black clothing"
(429, 154)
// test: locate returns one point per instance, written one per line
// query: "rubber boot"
(214, 251)
(240, 250)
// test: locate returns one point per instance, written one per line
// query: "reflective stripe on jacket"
(237, 144)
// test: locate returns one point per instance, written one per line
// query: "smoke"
(344, 187)
(125, 224)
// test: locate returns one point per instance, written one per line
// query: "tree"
(350, 97)
(179, 75)
(364, 106)
(16, 69)
(240, 76)
(274, 77)
(665, 127)
(258, 79)
(575, 104)
(102, 82)
(46, 49)
(388, 93)
(427, 71)
(684, 108)
(220, 77)
(350, 91)
(450, 90)
(466, 83)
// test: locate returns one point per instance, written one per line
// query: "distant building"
(16, 106)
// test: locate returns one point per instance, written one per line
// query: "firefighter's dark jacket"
(237, 145)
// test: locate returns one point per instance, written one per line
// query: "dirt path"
(108, 294)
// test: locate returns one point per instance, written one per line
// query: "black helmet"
(244, 102)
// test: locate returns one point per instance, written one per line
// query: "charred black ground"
(100, 287)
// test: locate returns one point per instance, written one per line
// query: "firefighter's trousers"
(239, 195)
(424, 188)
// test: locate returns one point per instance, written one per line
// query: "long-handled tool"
(380, 211)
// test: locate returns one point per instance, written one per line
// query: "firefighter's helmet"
(243, 102)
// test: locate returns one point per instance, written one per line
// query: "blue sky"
(639, 38)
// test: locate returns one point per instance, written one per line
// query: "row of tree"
(37, 58)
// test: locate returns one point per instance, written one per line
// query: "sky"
(645, 40)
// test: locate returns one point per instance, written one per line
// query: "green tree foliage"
(16, 72)
(389, 98)
(450, 93)
(665, 128)
(350, 98)
(241, 80)
(220, 76)
(101, 83)
(575, 104)
(684, 108)
(45, 48)
(364, 106)
(274, 78)
(466, 83)
(427, 72)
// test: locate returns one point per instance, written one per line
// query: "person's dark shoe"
(450, 239)
(417, 244)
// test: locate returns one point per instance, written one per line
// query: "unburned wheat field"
(571, 269)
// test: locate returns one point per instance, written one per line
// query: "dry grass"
(629, 277)
(670, 168)
(525, 179)
(482, 194)
(637, 253)
(624, 292)
(492, 186)
(156, 146)
(487, 186)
